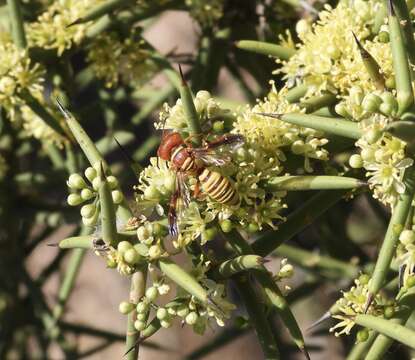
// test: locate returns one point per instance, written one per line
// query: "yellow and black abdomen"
(182, 159)
(218, 187)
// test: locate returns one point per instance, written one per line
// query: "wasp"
(188, 160)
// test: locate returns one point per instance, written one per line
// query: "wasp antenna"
(124, 152)
(62, 108)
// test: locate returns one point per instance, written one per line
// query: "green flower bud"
(131, 256)
(76, 181)
(151, 293)
(182, 311)
(74, 199)
(356, 161)
(241, 154)
(142, 307)
(383, 37)
(390, 82)
(88, 211)
(117, 196)
(162, 313)
(341, 109)
(387, 109)
(142, 249)
(87, 194)
(125, 307)
(218, 126)
(209, 234)
(139, 325)
(367, 154)
(96, 183)
(143, 233)
(112, 182)
(151, 192)
(388, 312)
(111, 263)
(191, 318)
(298, 147)
(371, 103)
(90, 174)
(92, 221)
(362, 335)
(142, 317)
(123, 246)
(407, 237)
(226, 225)
(154, 251)
(253, 228)
(410, 281)
(372, 135)
(165, 324)
(286, 271)
(364, 279)
(159, 230)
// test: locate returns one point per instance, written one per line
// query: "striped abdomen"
(218, 187)
(182, 159)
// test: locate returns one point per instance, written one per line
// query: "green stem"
(405, 19)
(317, 102)
(102, 9)
(137, 290)
(297, 221)
(296, 93)
(257, 318)
(360, 349)
(395, 227)
(309, 182)
(335, 126)
(265, 48)
(241, 263)
(16, 19)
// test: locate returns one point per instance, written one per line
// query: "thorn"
(184, 83)
(138, 342)
(62, 109)
(305, 352)
(76, 22)
(275, 116)
(102, 175)
(319, 321)
(53, 244)
(357, 40)
(391, 10)
(369, 300)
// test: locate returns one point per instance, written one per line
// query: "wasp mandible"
(186, 159)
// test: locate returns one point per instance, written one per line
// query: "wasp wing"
(180, 197)
(233, 141)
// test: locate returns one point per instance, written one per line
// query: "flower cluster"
(207, 13)
(406, 257)
(113, 57)
(184, 306)
(83, 191)
(353, 303)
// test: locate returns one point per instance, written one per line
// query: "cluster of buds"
(286, 271)
(354, 302)
(406, 257)
(87, 191)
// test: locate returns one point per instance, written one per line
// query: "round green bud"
(209, 234)
(162, 313)
(88, 211)
(298, 147)
(117, 196)
(90, 221)
(76, 181)
(96, 183)
(407, 237)
(367, 154)
(362, 335)
(253, 228)
(371, 103)
(142, 307)
(226, 225)
(241, 154)
(388, 98)
(125, 307)
(143, 233)
(112, 182)
(383, 37)
(90, 174)
(191, 318)
(389, 312)
(151, 293)
(165, 324)
(341, 109)
(154, 251)
(87, 194)
(139, 325)
(372, 135)
(131, 256)
(356, 161)
(74, 199)
(410, 282)
(218, 126)
(390, 82)
(364, 279)
(387, 109)
(111, 263)
(142, 249)
(151, 192)
(123, 246)
(159, 230)
(182, 311)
